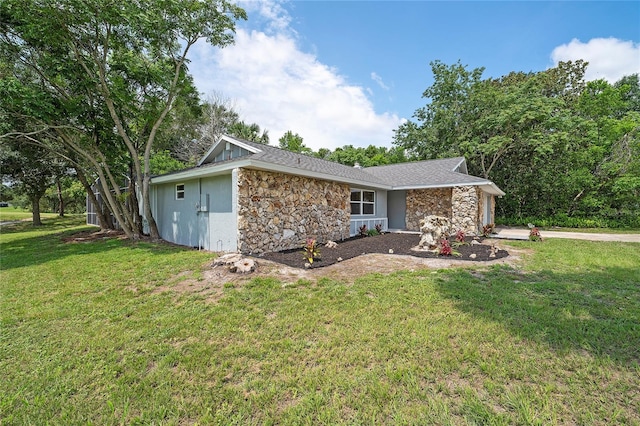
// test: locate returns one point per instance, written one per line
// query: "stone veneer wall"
(466, 206)
(277, 211)
(424, 202)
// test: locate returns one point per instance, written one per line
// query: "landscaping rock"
(331, 244)
(243, 266)
(227, 259)
(434, 228)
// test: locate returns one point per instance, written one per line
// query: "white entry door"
(487, 219)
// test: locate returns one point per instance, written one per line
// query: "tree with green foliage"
(557, 145)
(367, 157)
(31, 169)
(78, 63)
(194, 130)
(293, 142)
(250, 132)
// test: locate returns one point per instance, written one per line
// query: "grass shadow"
(23, 245)
(596, 312)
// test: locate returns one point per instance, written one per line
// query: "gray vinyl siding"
(178, 221)
(235, 152)
(220, 193)
(191, 221)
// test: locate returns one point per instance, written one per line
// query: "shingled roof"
(447, 172)
(423, 174)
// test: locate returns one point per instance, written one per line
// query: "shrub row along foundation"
(277, 211)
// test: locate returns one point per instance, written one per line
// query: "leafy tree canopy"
(103, 77)
(556, 144)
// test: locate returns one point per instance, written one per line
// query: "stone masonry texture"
(425, 202)
(461, 204)
(466, 209)
(277, 211)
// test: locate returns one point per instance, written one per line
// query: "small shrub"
(363, 231)
(379, 228)
(372, 232)
(534, 234)
(311, 250)
(487, 229)
(445, 249)
(460, 236)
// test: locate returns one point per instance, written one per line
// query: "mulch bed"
(400, 243)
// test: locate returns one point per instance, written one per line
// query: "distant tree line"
(560, 147)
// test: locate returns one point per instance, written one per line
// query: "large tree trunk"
(146, 202)
(103, 219)
(60, 198)
(35, 205)
(134, 207)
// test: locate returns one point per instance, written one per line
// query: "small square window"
(355, 195)
(355, 208)
(180, 191)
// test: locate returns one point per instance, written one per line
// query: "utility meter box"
(204, 203)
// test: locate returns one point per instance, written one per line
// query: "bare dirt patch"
(91, 235)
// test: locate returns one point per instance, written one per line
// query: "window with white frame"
(180, 191)
(363, 202)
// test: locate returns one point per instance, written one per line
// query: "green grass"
(594, 230)
(86, 338)
(14, 213)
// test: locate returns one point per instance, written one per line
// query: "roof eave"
(436, 185)
(198, 172)
(487, 186)
(264, 165)
(493, 189)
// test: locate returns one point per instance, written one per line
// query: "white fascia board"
(317, 175)
(492, 188)
(206, 155)
(439, 185)
(199, 172)
(225, 138)
(462, 161)
(487, 186)
(240, 144)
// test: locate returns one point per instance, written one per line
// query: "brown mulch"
(400, 243)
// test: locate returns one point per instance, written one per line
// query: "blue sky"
(339, 73)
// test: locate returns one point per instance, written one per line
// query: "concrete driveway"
(523, 234)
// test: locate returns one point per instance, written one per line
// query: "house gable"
(225, 149)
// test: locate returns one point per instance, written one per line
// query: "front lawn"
(8, 214)
(86, 337)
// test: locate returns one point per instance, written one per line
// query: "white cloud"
(276, 85)
(609, 58)
(375, 77)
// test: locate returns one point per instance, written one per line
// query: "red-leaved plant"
(534, 234)
(445, 248)
(460, 236)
